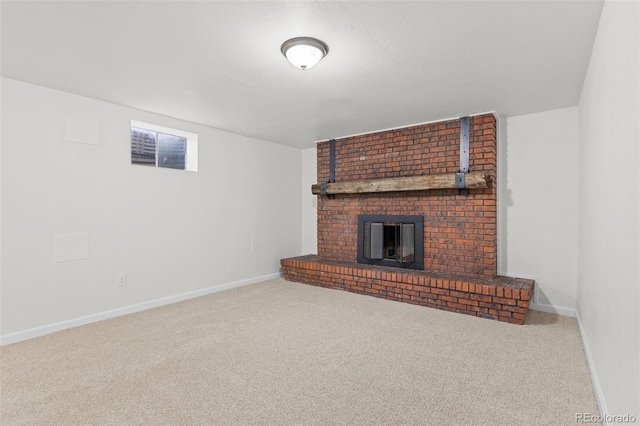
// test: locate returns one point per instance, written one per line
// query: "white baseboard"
(76, 322)
(553, 309)
(592, 370)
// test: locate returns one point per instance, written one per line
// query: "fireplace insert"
(391, 241)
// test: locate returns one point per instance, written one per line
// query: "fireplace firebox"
(391, 241)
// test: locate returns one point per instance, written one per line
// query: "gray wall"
(609, 197)
(170, 231)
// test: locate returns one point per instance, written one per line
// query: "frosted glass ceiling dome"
(304, 52)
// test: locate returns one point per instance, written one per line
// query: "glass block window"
(157, 146)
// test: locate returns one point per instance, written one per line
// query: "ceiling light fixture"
(304, 52)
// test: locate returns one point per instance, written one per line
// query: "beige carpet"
(286, 353)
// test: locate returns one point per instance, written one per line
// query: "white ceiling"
(389, 64)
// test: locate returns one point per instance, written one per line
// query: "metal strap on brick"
(332, 169)
(464, 144)
(464, 155)
(332, 160)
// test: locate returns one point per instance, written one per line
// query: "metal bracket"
(464, 144)
(464, 155)
(332, 160)
(332, 169)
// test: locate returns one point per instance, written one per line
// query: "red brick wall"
(460, 232)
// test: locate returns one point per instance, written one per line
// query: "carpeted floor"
(286, 353)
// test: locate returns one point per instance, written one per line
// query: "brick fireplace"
(458, 243)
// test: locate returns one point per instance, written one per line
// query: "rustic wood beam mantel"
(410, 183)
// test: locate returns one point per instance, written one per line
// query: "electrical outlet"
(121, 280)
(254, 246)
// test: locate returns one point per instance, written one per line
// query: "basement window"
(159, 146)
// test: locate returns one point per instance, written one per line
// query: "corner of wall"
(309, 201)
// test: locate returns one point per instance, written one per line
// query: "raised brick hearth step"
(499, 298)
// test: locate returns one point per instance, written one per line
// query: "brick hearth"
(499, 298)
(459, 234)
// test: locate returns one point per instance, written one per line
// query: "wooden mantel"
(410, 183)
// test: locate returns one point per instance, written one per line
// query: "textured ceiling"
(390, 63)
